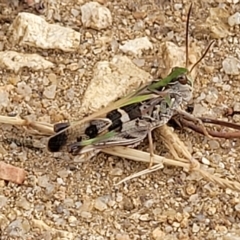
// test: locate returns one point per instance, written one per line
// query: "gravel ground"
(63, 199)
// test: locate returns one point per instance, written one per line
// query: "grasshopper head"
(183, 86)
(185, 80)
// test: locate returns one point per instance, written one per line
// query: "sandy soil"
(62, 199)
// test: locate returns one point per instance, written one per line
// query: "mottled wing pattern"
(131, 133)
(76, 132)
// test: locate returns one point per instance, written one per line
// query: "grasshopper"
(135, 113)
(129, 120)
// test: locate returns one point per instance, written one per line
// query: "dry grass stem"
(41, 127)
(138, 174)
(225, 183)
(140, 156)
(173, 143)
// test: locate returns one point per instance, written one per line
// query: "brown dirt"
(62, 199)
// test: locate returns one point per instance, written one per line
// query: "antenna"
(187, 37)
(203, 56)
(187, 43)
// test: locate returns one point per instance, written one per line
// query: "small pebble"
(122, 236)
(226, 87)
(158, 234)
(177, 6)
(50, 91)
(86, 215)
(231, 66)
(4, 100)
(144, 217)
(23, 203)
(116, 172)
(237, 207)
(43, 181)
(221, 165)
(75, 12)
(78, 205)
(234, 19)
(199, 110)
(11, 173)
(149, 203)
(60, 181)
(179, 217)
(136, 46)
(52, 78)
(214, 144)
(168, 229)
(3, 201)
(100, 205)
(119, 197)
(176, 224)
(63, 173)
(205, 161)
(18, 227)
(139, 62)
(190, 189)
(24, 89)
(70, 94)
(212, 96)
(72, 219)
(236, 107)
(195, 228)
(211, 211)
(194, 198)
(95, 16)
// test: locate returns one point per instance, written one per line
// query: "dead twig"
(189, 123)
(41, 127)
(195, 120)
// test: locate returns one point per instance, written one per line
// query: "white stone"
(205, 161)
(178, 6)
(31, 30)
(174, 56)
(136, 46)
(15, 61)
(226, 87)
(199, 110)
(112, 80)
(237, 207)
(72, 219)
(86, 215)
(236, 107)
(50, 91)
(4, 100)
(234, 19)
(100, 205)
(195, 228)
(231, 66)
(96, 16)
(24, 90)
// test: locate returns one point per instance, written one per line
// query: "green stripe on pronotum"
(176, 72)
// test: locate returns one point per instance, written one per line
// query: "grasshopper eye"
(183, 80)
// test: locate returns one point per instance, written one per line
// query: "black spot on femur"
(91, 131)
(56, 142)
